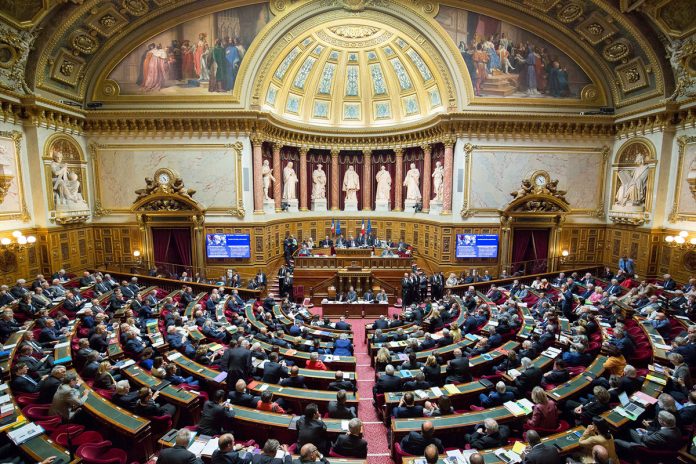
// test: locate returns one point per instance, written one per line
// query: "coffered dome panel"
(361, 73)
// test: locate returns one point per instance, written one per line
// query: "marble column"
(257, 143)
(367, 180)
(335, 175)
(447, 181)
(303, 179)
(399, 180)
(278, 175)
(427, 176)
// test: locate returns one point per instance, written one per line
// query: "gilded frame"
(651, 161)
(237, 204)
(22, 214)
(675, 215)
(80, 165)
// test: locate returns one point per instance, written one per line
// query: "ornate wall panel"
(116, 244)
(586, 244)
(684, 206)
(636, 243)
(13, 204)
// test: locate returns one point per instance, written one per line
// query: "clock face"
(540, 180)
(163, 178)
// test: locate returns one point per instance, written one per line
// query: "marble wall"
(210, 170)
(496, 172)
(12, 203)
(685, 203)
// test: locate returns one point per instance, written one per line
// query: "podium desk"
(355, 310)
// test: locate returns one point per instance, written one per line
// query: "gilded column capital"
(304, 149)
(399, 152)
(335, 151)
(427, 148)
(277, 146)
(367, 152)
(448, 142)
(257, 140)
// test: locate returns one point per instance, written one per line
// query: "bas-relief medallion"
(197, 57)
(582, 191)
(214, 187)
(516, 62)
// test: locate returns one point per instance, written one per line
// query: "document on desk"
(210, 448)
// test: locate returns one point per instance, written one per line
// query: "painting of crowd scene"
(200, 56)
(506, 61)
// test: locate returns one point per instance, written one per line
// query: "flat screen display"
(228, 245)
(477, 246)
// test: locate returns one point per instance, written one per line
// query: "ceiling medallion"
(355, 5)
(354, 31)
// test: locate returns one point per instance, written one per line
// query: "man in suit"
(273, 371)
(127, 291)
(538, 452)
(27, 306)
(351, 296)
(387, 382)
(269, 303)
(179, 454)
(381, 323)
(666, 437)
(49, 385)
(339, 409)
(216, 415)
(18, 290)
(87, 280)
(341, 384)
(6, 297)
(369, 296)
(614, 289)
(37, 367)
(73, 302)
(407, 407)
(342, 324)
(236, 362)
(226, 454)
(57, 290)
(241, 397)
(416, 442)
(627, 265)
(295, 380)
(530, 376)
(21, 380)
(352, 444)
(487, 435)
(326, 243)
(458, 368)
(381, 296)
(406, 290)
(351, 242)
(67, 399)
(50, 334)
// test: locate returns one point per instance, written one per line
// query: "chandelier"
(682, 240)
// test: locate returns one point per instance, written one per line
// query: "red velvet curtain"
(541, 247)
(530, 250)
(172, 248)
(384, 158)
(315, 157)
(355, 159)
(160, 243)
(181, 242)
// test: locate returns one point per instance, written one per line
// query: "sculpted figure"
(267, 175)
(319, 183)
(438, 181)
(633, 184)
(289, 182)
(411, 182)
(384, 182)
(60, 173)
(351, 184)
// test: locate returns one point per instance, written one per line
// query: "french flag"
(362, 228)
(333, 227)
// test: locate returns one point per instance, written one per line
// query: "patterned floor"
(374, 430)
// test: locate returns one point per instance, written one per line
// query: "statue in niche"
(351, 184)
(633, 184)
(438, 181)
(319, 183)
(267, 175)
(289, 182)
(72, 190)
(411, 182)
(384, 182)
(60, 172)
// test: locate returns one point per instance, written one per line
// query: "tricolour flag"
(333, 227)
(362, 228)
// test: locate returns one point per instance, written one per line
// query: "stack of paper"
(451, 389)
(514, 409)
(24, 433)
(655, 379)
(436, 391)
(421, 394)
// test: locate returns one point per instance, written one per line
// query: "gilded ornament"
(543, 5)
(135, 7)
(617, 50)
(108, 21)
(570, 12)
(632, 74)
(67, 68)
(354, 31)
(589, 93)
(84, 42)
(595, 29)
(109, 89)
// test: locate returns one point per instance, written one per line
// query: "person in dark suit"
(5, 296)
(295, 380)
(352, 444)
(326, 243)
(273, 371)
(22, 381)
(342, 384)
(538, 452)
(669, 283)
(73, 302)
(49, 385)
(351, 296)
(311, 429)
(178, 454)
(339, 409)
(416, 442)
(418, 382)
(458, 369)
(381, 323)
(241, 397)
(342, 324)
(496, 397)
(487, 435)
(27, 306)
(530, 376)
(387, 382)
(87, 280)
(407, 407)
(216, 415)
(226, 452)
(666, 437)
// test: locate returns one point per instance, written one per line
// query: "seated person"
(544, 413)
(124, 397)
(496, 397)
(557, 375)
(417, 383)
(407, 407)
(343, 346)
(442, 408)
(147, 405)
(314, 363)
(488, 435)
(339, 409)
(666, 437)
(172, 375)
(415, 442)
(266, 403)
(295, 380)
(351, 296)
(22, 382)
(216, 415)
(241, 397)
(351, 444)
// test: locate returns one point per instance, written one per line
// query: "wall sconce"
(6, 178)
(681, 240)
(19, 243)
(564, 256)
(136, 255)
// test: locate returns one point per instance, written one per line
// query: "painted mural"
(506, 61)
(200, 56)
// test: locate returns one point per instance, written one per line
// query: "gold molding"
(23, 213)
(675, 215)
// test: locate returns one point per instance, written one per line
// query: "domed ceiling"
(359, 73)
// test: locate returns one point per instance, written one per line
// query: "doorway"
(172, 250)
(530, 250)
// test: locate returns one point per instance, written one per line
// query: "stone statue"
(319, 183)
(289, 182)
(438, 181)
(411, 182)
(72, 190)
(351, 184)
(384, 182)
(525, 189)
(60, 174)
(267, 175)
(633, 184)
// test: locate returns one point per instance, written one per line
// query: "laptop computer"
(632, 408)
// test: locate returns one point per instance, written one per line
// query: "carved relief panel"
(632, 182)
(66, 179)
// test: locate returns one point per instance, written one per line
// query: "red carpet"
(374, 430)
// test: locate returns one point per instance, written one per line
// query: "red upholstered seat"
(399, 454)
(76, 439)
(37, 412)
(334, 454)
(101, 453)
(562, 427)
(25, 399)
(473, 407)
